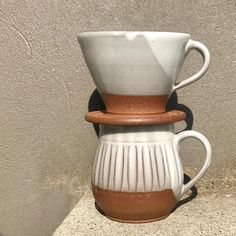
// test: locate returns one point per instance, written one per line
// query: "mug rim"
(131, 33)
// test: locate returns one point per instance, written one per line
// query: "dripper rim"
(130, 33)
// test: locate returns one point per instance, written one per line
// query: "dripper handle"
(194, 134)
(206, 61)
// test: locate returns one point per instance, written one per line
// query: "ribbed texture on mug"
(137, 167)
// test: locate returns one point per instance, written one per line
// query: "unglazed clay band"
(123, 104)
(100, 117)
(131, 204)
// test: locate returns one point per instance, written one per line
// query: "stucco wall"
(46, 147)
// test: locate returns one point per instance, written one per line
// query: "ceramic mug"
(136, 72)
(137, 173)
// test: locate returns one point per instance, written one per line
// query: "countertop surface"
(201, 214)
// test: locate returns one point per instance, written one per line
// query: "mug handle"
(206, 61)
(194, 134)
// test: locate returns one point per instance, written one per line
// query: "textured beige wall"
(46, 147)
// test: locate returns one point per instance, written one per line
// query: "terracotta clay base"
(135, 207)
(101, 117)
(123, 104)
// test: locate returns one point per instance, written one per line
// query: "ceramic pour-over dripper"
(137, 173)
(136, 72)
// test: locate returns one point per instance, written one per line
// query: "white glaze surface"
(138, 63)
(143, 159)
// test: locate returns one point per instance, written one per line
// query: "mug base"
(138, 221)
(134, 207)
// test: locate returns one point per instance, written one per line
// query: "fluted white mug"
(139, 166)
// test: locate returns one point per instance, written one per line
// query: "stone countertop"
(207, 214)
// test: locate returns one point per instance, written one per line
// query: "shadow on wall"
(174, 105)
(96, 103)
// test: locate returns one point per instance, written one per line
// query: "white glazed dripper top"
(139, 63)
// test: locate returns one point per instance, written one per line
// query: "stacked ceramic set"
(137, 173)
